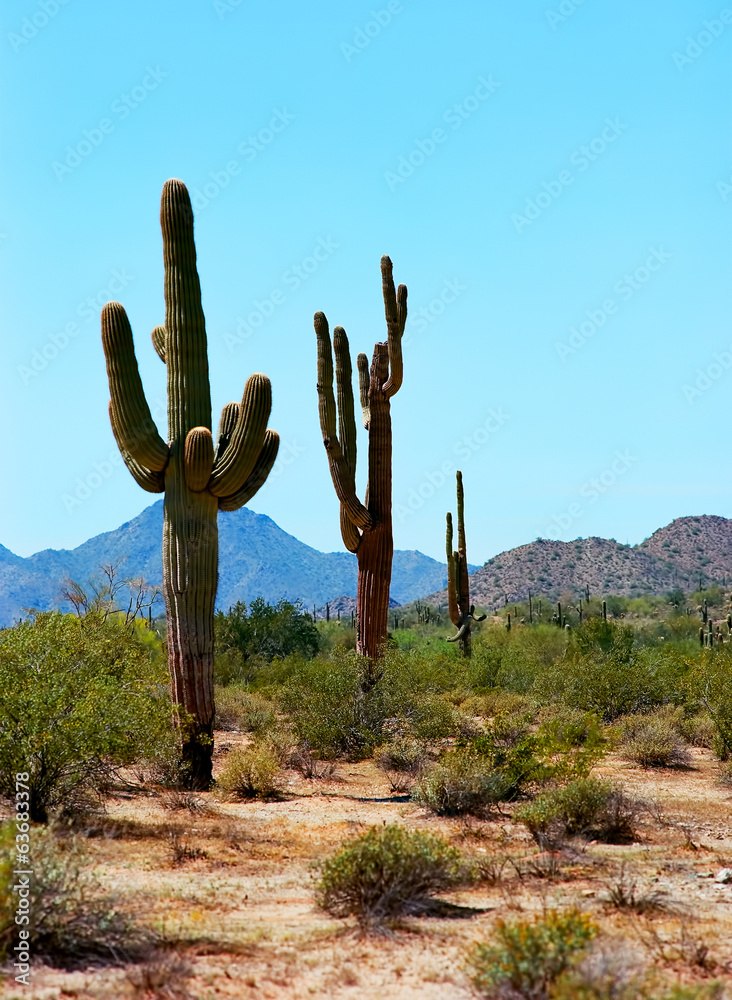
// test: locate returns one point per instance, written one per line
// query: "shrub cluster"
(389, 872)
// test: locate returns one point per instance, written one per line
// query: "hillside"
(256, 558)
(676, 555)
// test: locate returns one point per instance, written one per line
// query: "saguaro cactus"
(458, 586)
(197, 477)
(365, 527)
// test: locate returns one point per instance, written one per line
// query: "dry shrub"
(653, 741)
(250, 772)
(73, 922)
(587, 807)
(462, 782)
(242, 711)
(387, 873)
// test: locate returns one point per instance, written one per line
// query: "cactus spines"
(461, 611)
(198, 478)
(366, 528)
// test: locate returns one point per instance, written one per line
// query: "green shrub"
(78, 697)
(711, 683)
(461, 783)
(241, 710)
(250, 772)
(71, 920)
(529, 957)
(653, 741)
(403, 753)
(388, 872)
(589, 807)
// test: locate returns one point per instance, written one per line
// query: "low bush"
(527, 958)
(78, 698)
(588, 807)
(402, 754)
(71, 921)
(387, 873)
(250, 772)
(243, 711)
(653, 741)
(462, 783)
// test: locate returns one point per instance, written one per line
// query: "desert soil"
(243, 923)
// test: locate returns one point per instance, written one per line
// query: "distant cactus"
(199, 477)
(604, 611)
(366, 529)
(460, 609)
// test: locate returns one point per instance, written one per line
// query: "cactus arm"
(463, 583)
(153, 482)
(346, 428)
(452, 605)
(236, 461)
(339, 468)
(134, 427)
(395, 309)
(465, 627)
(198, 456)
(257, 476)
(158, 342)
(229, 417)
(364, 383)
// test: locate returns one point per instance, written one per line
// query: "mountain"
(679, 555)
(256, 558)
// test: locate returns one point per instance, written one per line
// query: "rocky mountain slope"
(685, 552)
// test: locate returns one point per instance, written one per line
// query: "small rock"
(724, 876)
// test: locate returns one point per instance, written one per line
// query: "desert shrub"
(497, 702)
(527, 958)
(725, 775)
(259, 634)
(71, 920)
(653, 741)
(403, 753)
(250, 772)
(462, 783)
(711, 682)
(388, 872)
(589, 807)
(78, 697)
(242, 710)
(697, 729)
(335, 716)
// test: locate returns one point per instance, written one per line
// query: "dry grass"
(239, 920)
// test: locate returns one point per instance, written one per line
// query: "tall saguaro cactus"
(198, 477)
(458, 586)
(365, 527)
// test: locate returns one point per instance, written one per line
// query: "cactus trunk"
(198, 479)
(366, 528)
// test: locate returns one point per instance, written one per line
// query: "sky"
(552, 180)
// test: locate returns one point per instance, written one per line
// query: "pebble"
(724, 876)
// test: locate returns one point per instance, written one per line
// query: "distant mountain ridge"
(685, 552)
(256, 559)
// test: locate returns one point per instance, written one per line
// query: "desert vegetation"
(546, 818)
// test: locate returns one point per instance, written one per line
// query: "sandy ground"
(241, 921)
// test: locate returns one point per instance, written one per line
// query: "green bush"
(71, 920)
(590, 807)
(529, 957)
(78, 697)
(403, 753)
(243, 711)
(461, 783)
(246, 638)
(388, 872)
(711, 683)
(653, 741)
(250, 772)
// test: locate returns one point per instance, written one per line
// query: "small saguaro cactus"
(460, 609)
(366, 528)
(199, 477)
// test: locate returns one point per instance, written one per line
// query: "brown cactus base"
(196, 765)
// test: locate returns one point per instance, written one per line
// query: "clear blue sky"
(561, 164)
